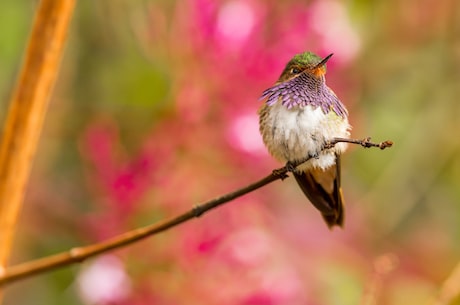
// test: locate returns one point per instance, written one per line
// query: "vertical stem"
(27, 111)
(450, 289)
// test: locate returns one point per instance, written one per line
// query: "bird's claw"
(327, 145)
(290, 167)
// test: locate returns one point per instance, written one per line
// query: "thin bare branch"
(366, 143)
(79, 254)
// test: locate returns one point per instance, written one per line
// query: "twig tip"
(385, 144)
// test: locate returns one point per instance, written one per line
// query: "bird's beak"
(319, 70)
(323, 62)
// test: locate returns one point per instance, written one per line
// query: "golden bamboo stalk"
(27, 110)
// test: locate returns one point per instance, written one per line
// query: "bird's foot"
(282, 172)
(329, 144)
(290, 166)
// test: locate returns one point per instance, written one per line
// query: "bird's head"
(306, 62)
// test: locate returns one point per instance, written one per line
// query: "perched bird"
(299, 116)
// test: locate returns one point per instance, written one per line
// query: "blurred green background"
(155, 111)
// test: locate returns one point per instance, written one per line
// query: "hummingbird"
(300, 114)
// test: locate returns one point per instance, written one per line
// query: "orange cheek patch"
(320, 71)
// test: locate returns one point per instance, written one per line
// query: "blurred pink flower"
(103, 281)
(277, 286)
(331, 23)
(247, 248)
(192, 102)
(123, 182)
(244, 135)
(236, 21)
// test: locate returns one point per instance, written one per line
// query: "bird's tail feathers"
(323, 189)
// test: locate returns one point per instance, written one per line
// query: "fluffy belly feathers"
(296, 133)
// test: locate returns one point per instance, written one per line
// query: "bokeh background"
(155, 111)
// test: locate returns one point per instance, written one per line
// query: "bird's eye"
(295, 71)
